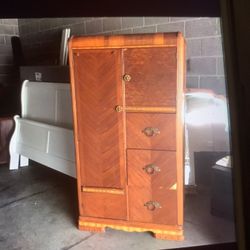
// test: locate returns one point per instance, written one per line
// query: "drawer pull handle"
(127, 78)
(151, 169)
(152, 205)
(149, 131)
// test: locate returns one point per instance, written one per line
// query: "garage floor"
(38, 210)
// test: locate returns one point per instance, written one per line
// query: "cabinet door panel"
(103, 205)
(153, 76)
(100, 129)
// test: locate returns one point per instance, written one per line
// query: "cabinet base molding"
(159, 231)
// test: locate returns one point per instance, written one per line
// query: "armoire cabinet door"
(100, 129)
(152, 76)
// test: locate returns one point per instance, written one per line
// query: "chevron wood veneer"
(127, 94)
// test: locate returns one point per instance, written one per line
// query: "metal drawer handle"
(149, 131)
(151, 169)
(127, 77)
(118, 108)
(152, 205)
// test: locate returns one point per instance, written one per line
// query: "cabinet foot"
(99, 225)
(163, 236)
(92, 229)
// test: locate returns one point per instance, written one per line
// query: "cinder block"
(23, 30)
(16, 30)
(202, 27)
(6, 60)
(2, 40)
(192, 81)
(12, 21)
(217, 84)
(7, 40)
(125, 31)
(6, 29)
(149, 29)
(202, 66)
(33, 27)
(6, 69)
(171, 27)
(193, 47)
(94, 26)
(131, 22)
(156, 20)
(77, 29)
(211, 46)
(5, 49)
(177, 19)
(112, 23)
(21, 21)
(43, 25)
(220, 66)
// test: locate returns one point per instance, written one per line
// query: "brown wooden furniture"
(127, 96)
(6, 130)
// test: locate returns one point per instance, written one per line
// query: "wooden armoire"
(128, 95)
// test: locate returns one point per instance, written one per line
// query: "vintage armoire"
(128, 96)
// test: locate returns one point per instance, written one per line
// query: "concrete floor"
(38, 210)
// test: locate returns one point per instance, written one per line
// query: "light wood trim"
(168, 110)
(130, 228)
(173, 187)
(181, 73)
(124, 47)
(103, 190)
(167, 234)
(75, 125)
(130, 223)
(124, 41)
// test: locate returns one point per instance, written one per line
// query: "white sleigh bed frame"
(44, 131)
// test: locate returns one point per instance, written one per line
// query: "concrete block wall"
(41, 41)
(8, 28)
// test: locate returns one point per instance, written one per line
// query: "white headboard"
(47, 102)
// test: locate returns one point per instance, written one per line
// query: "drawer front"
(151, 131)
(152, 76)
(152, 169)
(104, 205)
(153, 206)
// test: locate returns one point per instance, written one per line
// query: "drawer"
(157, 206)
(104, 205)
(151, 131)
(152, 169)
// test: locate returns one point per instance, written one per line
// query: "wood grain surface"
(153, 76)
(164, 160)
(112, 150)
(166, 124)
(166, 214)
(104, 205)
(100, 131)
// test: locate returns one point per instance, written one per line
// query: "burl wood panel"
(137, 122)
(163, 177)
(104, 205)
(100, 130)
(153, 76)
(166, 214)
